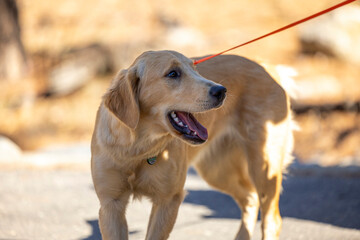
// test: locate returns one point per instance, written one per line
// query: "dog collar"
(151, 160)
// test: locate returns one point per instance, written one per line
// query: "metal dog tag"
(151, 161)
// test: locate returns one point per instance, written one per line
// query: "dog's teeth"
(173, 114)
(193, 133)
(176, 119)
(181, 124)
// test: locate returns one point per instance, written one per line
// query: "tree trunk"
(12, 55)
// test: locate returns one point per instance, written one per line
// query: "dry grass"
(34, 122)
(331, 138)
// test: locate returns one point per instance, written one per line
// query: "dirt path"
(61, 204)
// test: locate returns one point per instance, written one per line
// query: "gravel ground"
(61, 204)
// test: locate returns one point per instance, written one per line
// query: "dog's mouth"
(189, 128)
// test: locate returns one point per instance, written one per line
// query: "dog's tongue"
(193, 124)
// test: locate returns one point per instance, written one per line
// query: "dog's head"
(165, 88)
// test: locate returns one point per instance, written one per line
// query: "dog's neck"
(136, 144)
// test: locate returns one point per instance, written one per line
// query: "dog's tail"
(284, 75)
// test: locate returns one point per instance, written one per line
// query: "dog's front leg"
(112, 221)
(163, 216)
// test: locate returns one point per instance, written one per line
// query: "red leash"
(278, 30)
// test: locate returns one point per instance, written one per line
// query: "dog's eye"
(173, 74)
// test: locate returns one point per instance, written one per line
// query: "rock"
(320, 90)
(326, 91)
(336, 34)
(9, 151)
(77, 68)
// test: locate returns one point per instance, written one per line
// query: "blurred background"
(58, 57)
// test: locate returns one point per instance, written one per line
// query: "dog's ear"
(121, 98)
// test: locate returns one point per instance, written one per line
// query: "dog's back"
(255, 105)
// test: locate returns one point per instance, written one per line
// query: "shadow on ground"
(329, 200)
(96, 235)
(319, 198)
(328, 195)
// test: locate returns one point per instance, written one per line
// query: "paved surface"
(51, 204)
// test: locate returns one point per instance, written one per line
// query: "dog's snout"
(218, 92)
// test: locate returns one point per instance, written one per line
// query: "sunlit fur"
(249, 145)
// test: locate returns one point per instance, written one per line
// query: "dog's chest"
(166, 174)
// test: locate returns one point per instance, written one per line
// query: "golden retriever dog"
(163, 114)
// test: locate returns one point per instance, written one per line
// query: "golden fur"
(249, 144)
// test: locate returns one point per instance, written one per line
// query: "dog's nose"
(218, 92)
